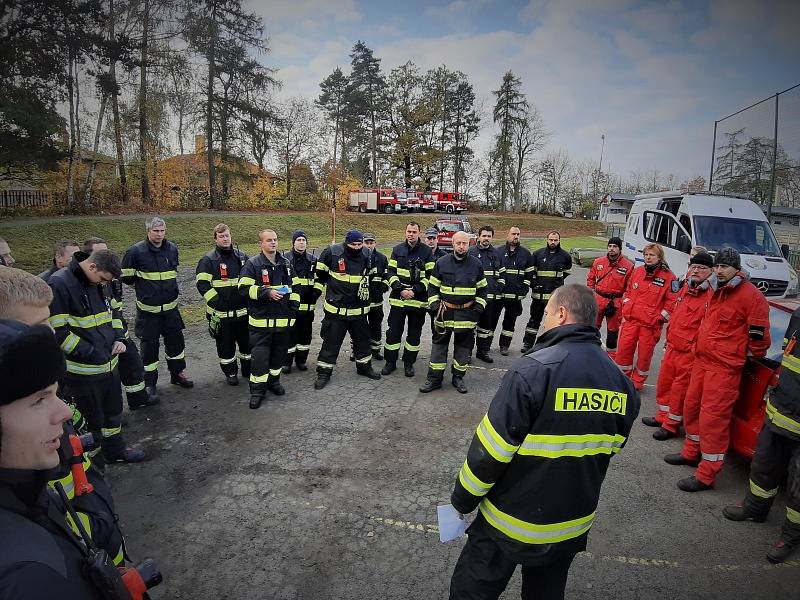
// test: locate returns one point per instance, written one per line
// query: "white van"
(679, 220)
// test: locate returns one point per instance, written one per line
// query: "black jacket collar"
(568, 333)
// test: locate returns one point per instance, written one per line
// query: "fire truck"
(449, 202)
(411, 198)
(383, 200)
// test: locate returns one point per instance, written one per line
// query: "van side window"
(686, 222)
(664, 230)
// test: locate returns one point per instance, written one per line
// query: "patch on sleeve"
(675, 286)
(756, 332)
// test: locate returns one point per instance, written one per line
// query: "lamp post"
(600, 168)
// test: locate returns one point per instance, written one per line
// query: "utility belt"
(452, 306)
(608, 296)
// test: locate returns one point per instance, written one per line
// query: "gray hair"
(154, 222)
(579, 302)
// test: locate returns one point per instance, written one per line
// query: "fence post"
(774, 164)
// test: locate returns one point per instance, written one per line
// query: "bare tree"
(298, 123)
(529, 137)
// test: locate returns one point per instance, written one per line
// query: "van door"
(664, 229)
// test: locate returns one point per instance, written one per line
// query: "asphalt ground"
(333, 493)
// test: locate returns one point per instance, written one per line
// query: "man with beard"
(344, 271)
(217, 280)
(735, 326)
(457, 298)
(303, 264)
(515, 262)
(265, 281)
(608, 277)
(491, 261)
(548, 269)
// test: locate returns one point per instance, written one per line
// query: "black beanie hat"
(702, 258)
(20, 347)
(615, 240)
(729, 257)
(297, 234)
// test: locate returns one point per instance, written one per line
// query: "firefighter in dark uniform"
(151, 267)
(266, 283)
(303, 266)
(548, 269)
(91, 334)
(378, 285)
(409, 268)
(344, 272)
(432, 240)
(516, 262)
(778, 453)
(492, 262)
(539, 456)
(457, 298)
(217, 279)
(62, 255)
(131, 367)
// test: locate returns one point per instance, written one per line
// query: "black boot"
(692, 484)
(526, 347)
(232, 379)
(146, 402)
(484, 356)
(430, 385)
(662, 434)
(650, 422)
(504, 350)
(127, 455)
(388, 368)
(678, 459)
(458, 383)
(737, 512)
(152, 393)
(256, 400)
(322, 380)
(409, 369)
(276, 387)
(780, 552)
(376, 354)
(286, 369)
(302, 367)
(181, 380)
(366, 371)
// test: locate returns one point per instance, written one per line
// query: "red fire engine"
(376, 200)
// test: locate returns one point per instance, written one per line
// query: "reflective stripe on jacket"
(258, 278)
(783, 407)
(649, 297)
(339, 274)
(409, 268)
(515, 262)
(493, 269)
(219, 286)
(547, 271)
(459, 282)
(153, 272)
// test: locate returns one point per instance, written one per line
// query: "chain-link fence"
(756, 151)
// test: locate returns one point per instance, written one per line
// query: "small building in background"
(785, 222)
(615, 207)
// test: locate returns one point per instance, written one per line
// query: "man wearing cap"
(609, 277)
(62, 255)
(6, 260)
(217, 280)
(40, 558)
(735, 326)
(266, 283)
(676, 366)
(378, 285)
(432, 241)
(344, 272)
(151, 267)
(303, 265)
(493, 270)
(92, 336)
(409, 268)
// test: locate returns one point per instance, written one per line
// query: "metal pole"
(774, 164)
(713, 152)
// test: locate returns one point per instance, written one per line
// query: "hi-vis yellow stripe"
(590, 400)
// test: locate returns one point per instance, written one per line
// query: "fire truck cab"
(383, 200)
(449, 202)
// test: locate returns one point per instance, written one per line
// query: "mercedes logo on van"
(763, 286)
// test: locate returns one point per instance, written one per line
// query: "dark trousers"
(131, 373)
(174, 346)
(100, 403)
(511, 310)
(487, 323)
(375, 321)
(332, 332)
(233, 332)
(396, 323)
(268, 350)
(775, 456)
(300, 338)
(535, 319)
(483, 570)
(463, 340)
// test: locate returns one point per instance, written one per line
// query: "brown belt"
(458, 306)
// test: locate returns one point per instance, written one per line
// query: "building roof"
(782, 211)
(620, 197)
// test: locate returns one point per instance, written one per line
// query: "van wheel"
(362, 208)
(449, 209)
(388, 209)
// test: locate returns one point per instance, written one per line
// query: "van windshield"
(744, 235)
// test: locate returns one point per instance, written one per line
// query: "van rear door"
(661, 227)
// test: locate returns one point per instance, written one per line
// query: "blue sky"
(651, 76)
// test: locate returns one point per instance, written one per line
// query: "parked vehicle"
(679, 220)
(758, 376)
(410, 198)
(447, 227)
(449, 202)
(585, 256)
(375, 200)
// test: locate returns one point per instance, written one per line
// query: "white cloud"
(290, 12)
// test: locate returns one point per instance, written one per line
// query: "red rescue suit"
(736, 324)
(609, 279)
(676, 366)
(646, 306)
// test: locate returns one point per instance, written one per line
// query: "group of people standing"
(715, 319)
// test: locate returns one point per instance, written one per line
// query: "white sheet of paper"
(451, 525)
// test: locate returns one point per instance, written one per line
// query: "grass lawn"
(31, 241)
